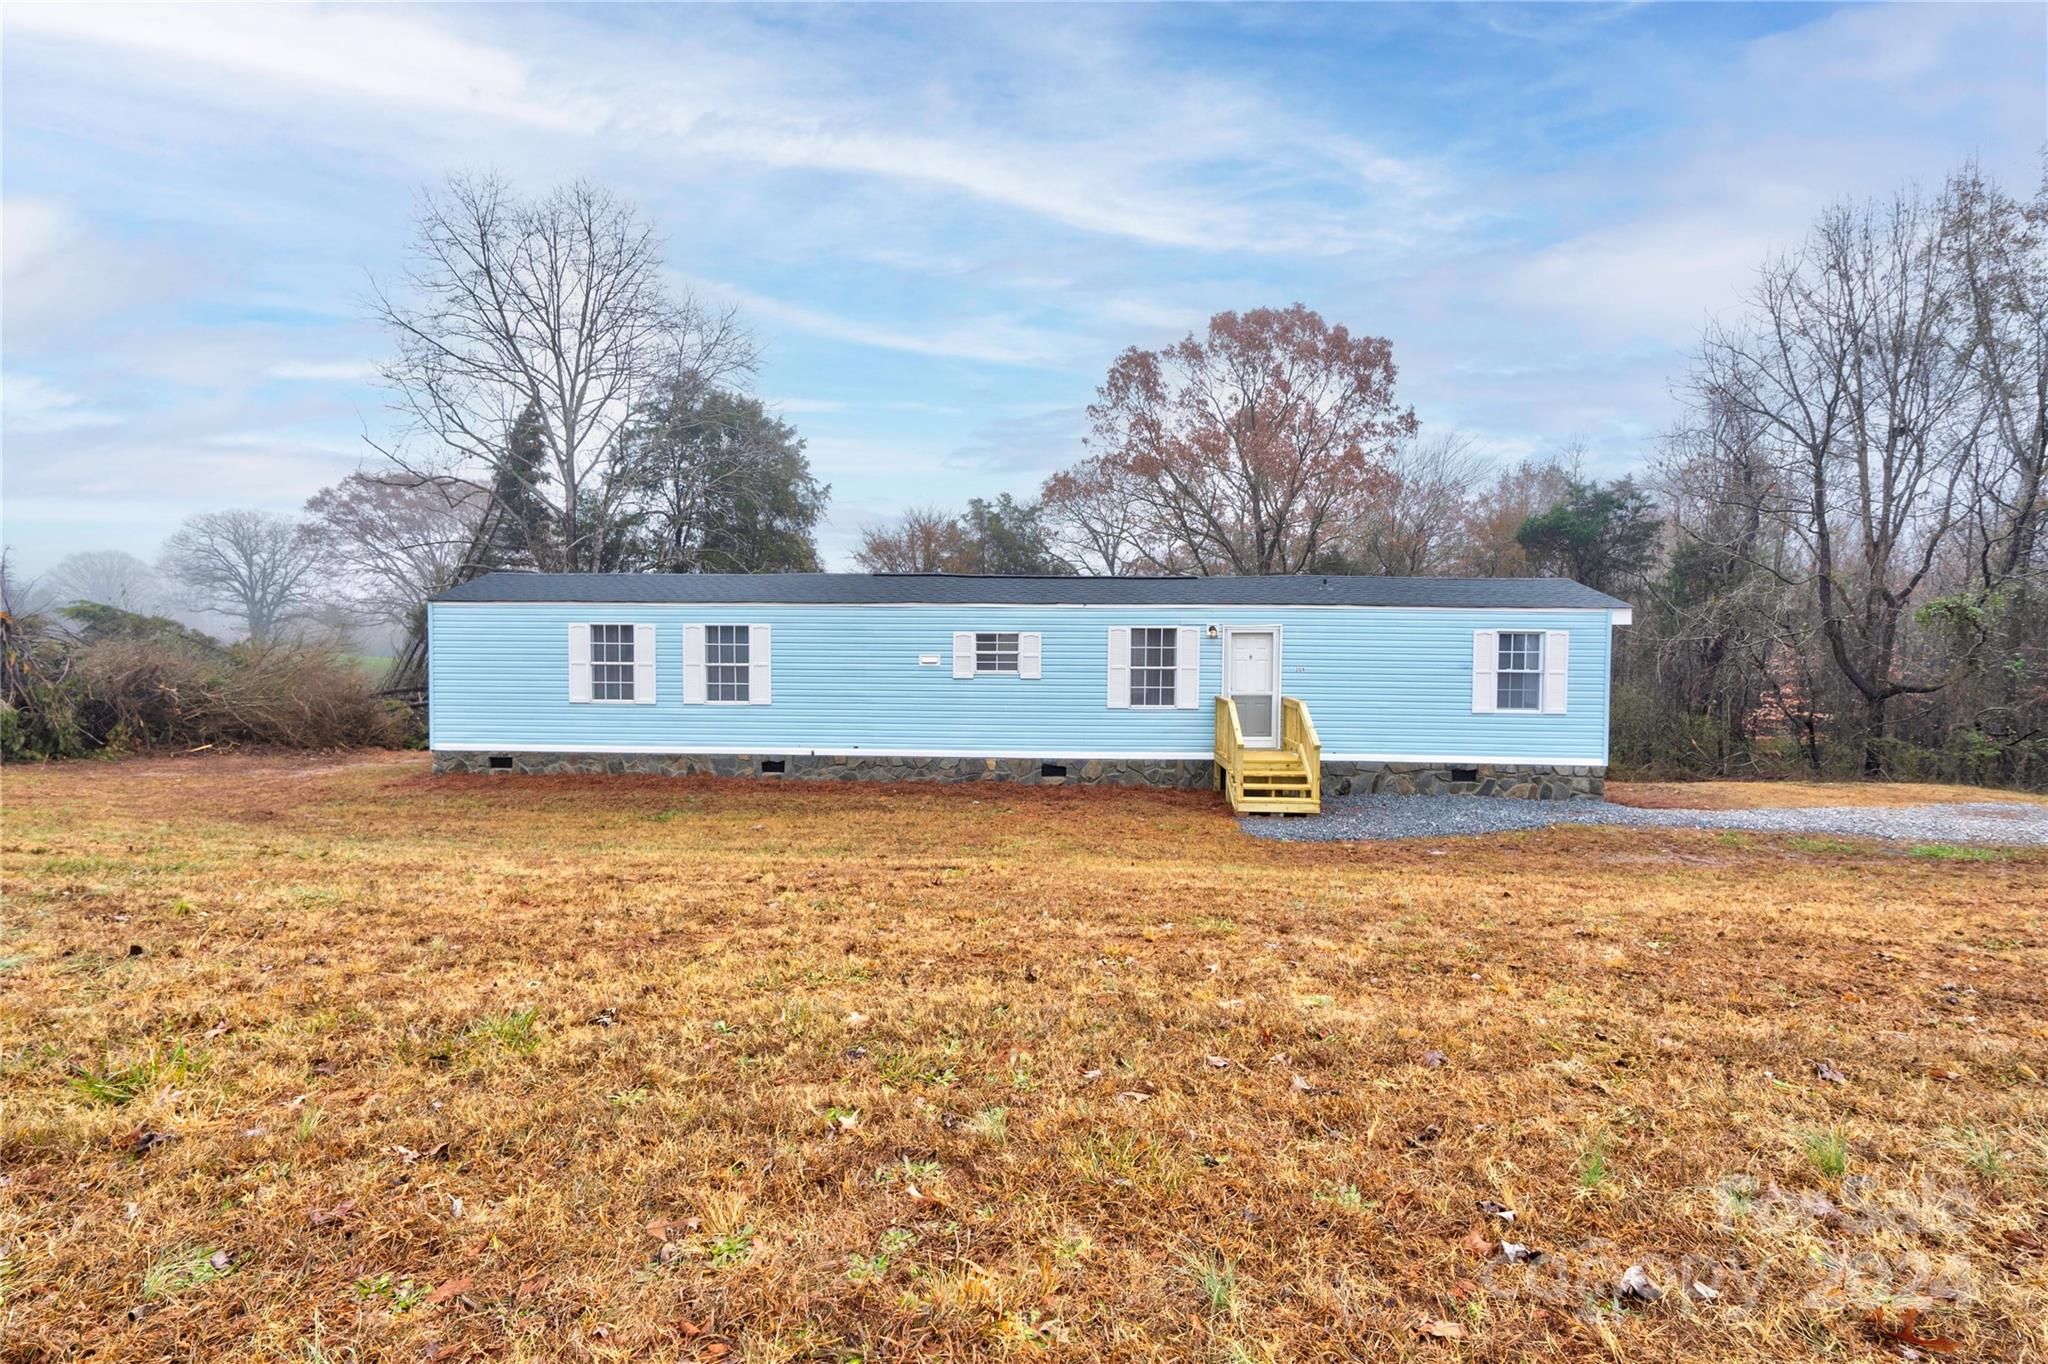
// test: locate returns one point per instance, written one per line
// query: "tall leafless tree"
(389, 545)
(1416, 525)
(1852, 364)
(553, 307)
(111, 577)
(256, 567)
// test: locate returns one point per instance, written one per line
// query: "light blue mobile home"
(1489, 686)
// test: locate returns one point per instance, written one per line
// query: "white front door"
(1254, 682)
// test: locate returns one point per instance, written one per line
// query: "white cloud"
(325, 371)
(31, 404)
(56, 274)
(986, 340)
(368, 54)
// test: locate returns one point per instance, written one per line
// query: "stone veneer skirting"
(1531, 782)
(1519, 781)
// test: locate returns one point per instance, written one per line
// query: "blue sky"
(941, 223)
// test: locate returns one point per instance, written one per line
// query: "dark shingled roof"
(964, 589)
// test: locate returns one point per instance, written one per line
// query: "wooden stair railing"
(1285, 780)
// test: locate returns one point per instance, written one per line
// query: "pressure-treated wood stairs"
(1287, 780)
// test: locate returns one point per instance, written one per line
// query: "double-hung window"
(728, 654)
(611, 662)
(1155, 662)
(995, 652)
(1518, 675)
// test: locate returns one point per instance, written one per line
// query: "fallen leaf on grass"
(1493, 1209)
(1435, 1060)
(1440, 1329)
(1517, 1254)
(1827, 1071)
(1479, 1243)
(142, 1141)
(530, 1288)
(1219, 1063)
(1425, 1136)
(1907, 1338)
(340, 1212)
(1635, 1284)
(449, 1289)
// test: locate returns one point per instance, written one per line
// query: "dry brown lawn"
(1781, 795)
(330, 1060)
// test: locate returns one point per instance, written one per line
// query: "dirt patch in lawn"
(303, 1059)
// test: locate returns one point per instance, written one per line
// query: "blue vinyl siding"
(1379, 682)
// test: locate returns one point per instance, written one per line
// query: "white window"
(1518, 675)
(611, 662)
(1155, 668)
(1521, 672)
(997, 653)
(728, 652)
(726, 665)
(1155, 663)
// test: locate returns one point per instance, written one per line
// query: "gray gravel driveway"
(1374, 818)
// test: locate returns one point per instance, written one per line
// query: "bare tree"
(1417, 523)
(1095, 519)
(921, 540)
(111, 577)
(1851, 368)
(554, 308)
(255, 566)
(389, 546)
(1247, 449)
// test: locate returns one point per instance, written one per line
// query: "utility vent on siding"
(1464, 774)
(1052, 769)
(774, 767)
(501, 762)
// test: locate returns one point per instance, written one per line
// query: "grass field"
(305, 1059)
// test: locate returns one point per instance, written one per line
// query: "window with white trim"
(611, 663)
(1154, 662)
(1518, 677)
(995, 652)
(727, 654)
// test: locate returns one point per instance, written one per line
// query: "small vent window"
(774, 767)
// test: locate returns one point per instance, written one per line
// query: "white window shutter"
(1187, 669)
(1120, 668)
(643, 665)
(579, 663)
(963, 653)
(760, 666)
(1485, 666)
(693, 665)
(1556, 670)
(1030, 656)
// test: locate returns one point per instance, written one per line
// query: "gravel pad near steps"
(1376, 818)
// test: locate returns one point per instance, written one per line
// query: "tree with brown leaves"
(1247, 449)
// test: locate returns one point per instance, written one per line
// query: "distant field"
(311, 1059)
